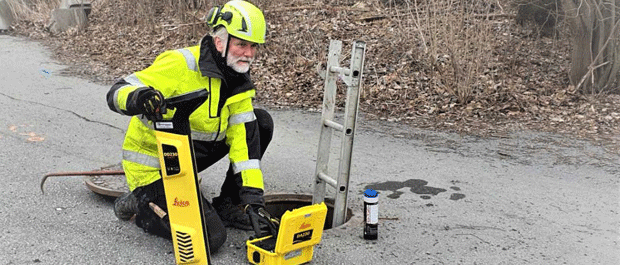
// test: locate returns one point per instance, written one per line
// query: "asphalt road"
(526, 198)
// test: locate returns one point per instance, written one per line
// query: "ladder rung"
(329, 123)
(336, 69)
(327, 179)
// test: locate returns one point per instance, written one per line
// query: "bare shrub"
(457, 43)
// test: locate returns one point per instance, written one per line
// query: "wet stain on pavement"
(457, 196)
(417, 186)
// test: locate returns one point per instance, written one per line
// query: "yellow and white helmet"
(241, 19)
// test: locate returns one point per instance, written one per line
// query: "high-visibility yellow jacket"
(227, 113)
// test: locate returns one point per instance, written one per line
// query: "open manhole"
(278, 204)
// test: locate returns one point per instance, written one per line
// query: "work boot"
(231, 215)
(126, 206)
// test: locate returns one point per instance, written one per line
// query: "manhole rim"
(88, 181)
(307, 198)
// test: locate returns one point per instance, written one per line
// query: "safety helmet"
(241, 19)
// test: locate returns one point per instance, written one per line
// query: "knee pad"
(265, 121)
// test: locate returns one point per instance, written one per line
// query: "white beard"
(233, 62)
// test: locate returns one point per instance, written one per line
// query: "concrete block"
(6, 15)
(64, 19)
(80, 4)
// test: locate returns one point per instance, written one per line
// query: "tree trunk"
(595, 32)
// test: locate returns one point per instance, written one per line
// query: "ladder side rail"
(351, 110)
(329, 105)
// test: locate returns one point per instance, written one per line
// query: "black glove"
(147, 101)
(251, 196)
(262, 222)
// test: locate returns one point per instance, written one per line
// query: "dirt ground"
(525, 87)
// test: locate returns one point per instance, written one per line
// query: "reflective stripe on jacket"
(222, 116)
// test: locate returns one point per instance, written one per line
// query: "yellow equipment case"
(299, 231)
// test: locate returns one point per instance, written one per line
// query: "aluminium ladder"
(352, 77)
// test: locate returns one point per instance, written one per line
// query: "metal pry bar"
(82, 173)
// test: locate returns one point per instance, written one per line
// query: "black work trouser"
(153, 224)
(209, 153)
(206, 154)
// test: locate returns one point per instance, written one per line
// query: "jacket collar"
(212, 64)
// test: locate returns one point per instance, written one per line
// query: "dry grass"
(32, 10)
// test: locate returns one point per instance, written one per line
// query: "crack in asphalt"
(70, 111)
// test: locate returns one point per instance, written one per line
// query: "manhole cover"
(113, 186)
(108, 185)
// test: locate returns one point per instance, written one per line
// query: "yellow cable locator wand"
(181, 185)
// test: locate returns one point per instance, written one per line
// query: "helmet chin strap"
(225, 54)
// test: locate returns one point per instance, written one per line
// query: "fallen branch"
(292, 8)
(373, 18)
(173, 27)
(297, 8)
(478, 16)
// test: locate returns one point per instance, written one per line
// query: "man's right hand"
(150, 102)
(262, 222)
